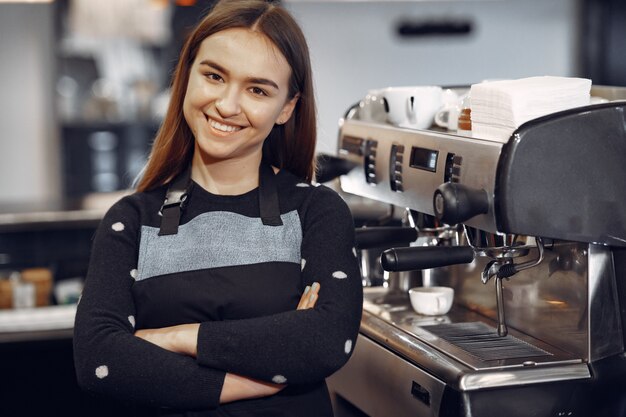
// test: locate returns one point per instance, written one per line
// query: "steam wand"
(503, 267)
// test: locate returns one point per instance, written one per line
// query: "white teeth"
(223, 128)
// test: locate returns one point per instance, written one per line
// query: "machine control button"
(395, 167)
(369, 159)
(452, 170)
(447, 172)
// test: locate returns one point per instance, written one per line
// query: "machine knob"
(455, 203)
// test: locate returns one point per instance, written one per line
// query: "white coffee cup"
(448, 117)
(431, 301)
(371, 108)
(412, 107)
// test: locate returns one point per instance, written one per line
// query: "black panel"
(602, 41)
(564, 176)
(425, 159)
(432, 27)
(103, 157)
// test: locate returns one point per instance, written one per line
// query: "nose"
(227, 104)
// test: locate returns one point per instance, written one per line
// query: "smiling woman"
(278, 39)
(228, 272)
(231, 108)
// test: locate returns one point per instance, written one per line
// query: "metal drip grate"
(483, 342)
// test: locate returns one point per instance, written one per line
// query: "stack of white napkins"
(500, 107)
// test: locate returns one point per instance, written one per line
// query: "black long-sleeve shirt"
(237, 277)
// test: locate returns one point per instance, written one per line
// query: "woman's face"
(237, 91)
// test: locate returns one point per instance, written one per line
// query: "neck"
(226, 177)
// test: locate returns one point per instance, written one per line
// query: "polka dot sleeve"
(108, 358)
(300, 346)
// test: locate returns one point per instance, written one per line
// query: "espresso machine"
(530, 233)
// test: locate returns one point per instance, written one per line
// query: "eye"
(213, 76)
(258, 91)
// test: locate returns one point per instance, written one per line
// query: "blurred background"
(84, 85)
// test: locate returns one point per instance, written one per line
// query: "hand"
(184, 338)
(309, 297)
(178, 339)
(237, 387)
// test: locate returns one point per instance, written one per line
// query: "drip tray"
(483, 342)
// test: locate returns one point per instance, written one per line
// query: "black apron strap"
(174, 203)
(268, 196)
(179, 188)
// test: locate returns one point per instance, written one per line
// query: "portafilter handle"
(504, 267)
(330, 167)
(425, 257)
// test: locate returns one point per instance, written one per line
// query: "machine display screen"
(425, 159)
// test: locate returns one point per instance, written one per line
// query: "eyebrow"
(254, 80)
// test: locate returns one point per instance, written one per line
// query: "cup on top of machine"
(372, 108)
(412, 107)
(448, 115)
(431, 301)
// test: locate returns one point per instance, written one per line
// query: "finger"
(303, 299)
(313, 294)
(312, 300)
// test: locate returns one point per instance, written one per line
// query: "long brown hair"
(290, 146)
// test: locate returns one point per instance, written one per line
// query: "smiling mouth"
(222, 127)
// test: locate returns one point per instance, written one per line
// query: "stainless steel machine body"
(558, 181)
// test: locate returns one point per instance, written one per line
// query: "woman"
(228, 283)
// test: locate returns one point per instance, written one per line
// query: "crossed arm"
(112, 360)
(184, 339)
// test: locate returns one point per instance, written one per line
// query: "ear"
(287, 111)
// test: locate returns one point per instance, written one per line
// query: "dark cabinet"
(104, 157)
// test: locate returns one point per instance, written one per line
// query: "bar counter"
(57, 214)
